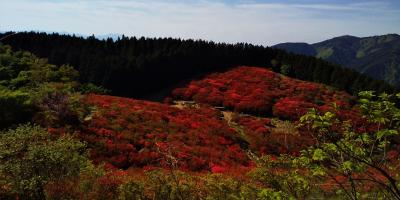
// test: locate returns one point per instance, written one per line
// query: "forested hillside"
(376, 56)
(148, 67)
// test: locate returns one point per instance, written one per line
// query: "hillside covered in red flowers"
(132, 133)
(128, 133)
(261, 91)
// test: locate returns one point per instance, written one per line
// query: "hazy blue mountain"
(298, 48)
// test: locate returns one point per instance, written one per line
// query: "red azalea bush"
(257, 132)
(260, 91)
(292, 108)
(132, 133)
(264, 138)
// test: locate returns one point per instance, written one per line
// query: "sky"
(261, 22)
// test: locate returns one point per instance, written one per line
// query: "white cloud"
(260, 23)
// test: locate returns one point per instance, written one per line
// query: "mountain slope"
(377, 56)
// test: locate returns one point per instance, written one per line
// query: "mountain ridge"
(376, 56)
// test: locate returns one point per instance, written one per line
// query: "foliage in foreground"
(356, 161)
(30, 158)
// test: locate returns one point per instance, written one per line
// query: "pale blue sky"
(264, 22)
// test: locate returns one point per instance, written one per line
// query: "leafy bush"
(31, 158)
(283, 176)
(216, 186)
(131, 190)
(357, 159)
(26, 81)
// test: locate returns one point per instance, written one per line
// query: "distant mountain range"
(376, 56)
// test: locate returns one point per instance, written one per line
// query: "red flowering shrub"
(292, 108)
(106, 186)
(131, 133)
(256, 132)
(217, 169)
(265, 138)
(258, 90)
(62, 190)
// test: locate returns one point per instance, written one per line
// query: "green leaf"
(365, 138)
(347, 165)
(318, 171)
(318, 155)
(385, 132)
(366, 94)
(330, 147)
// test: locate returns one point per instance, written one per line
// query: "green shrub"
(30, 159)
(131, 190)
(219, 187)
